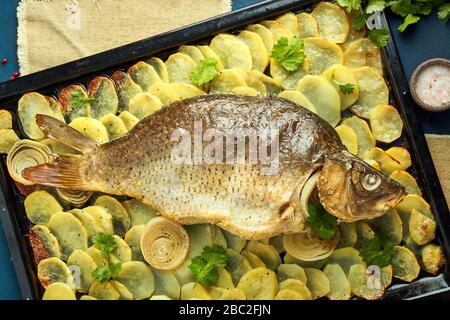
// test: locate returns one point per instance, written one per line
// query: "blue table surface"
(429, 39)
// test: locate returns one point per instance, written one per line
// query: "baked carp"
(252, 199)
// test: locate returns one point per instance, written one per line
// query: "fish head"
(352, 190)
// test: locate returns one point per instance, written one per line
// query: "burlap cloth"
(52, 32)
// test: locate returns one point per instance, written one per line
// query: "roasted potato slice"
(114, 126)
(133, 238)
(288, 79)
(277, 243)
(260, 56)
(91, 128)
(404, 264)
(122, 252)
(358, 277)
(332, 21)
(225, 281)
(139, 212)
(59, 291)
(259, 284)
(102, 218)
(363, 52)
(144, 75)
(345, 258)
(120, 216)
(317, 283)
(234, 242)
(372, 91)
(193, 52)
(179, 66)
(129, 120)
(390, 225)
(387, 163)
(158, 297)
(401, 155)
(297, 286)
(137, 277)
(225, 81)
(267, 253)
(164, 92)
(185, 90)
(86, 265)
(323, 96)
(278, 30)
(348, 138)
(104, 291)
(291, 271)
(289, 20)
(422, 229)
(160, 68)
(353, 34)
(432, 258)
(244, 91)
(366, 141)
(7, 139)
(386, 123)
(321, 54)
(144, 104)
(272, 86)
(209, 53)
(194, 291)
(237, 265)
(166, 283)
(288, 259)
(307, 25)
(124, 293)
(74, 102)
(31, 104)
(406, 180)
(412, 201)
(253, 259)
(226, 46)
(88, 222)
(265, 35)
(339, 286)
(339, 75)
(348, 235)
(43, 243)
(104, 97)
(5, 119)
(232, 294)
(99, 258)
(126, 89)
(53, 270)
(40, 206)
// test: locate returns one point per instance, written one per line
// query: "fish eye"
(371, 181)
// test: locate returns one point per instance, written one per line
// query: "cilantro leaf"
(380, 37)
(359, 21)
(289, 53)
(375, 6)
(204, 267)
(405, 7)
(345, 88)
(78, 99)
(104, 242)
(377, 251)
(350, 4)
(105, 273)
(408, 20)
(444, 12)
(204, 72)
(322, 223)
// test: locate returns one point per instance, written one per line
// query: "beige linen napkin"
(52, 32)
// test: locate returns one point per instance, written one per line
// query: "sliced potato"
(209, 53)
(372, 91)
(99, 258)
(193, 52)
(365, 232)
(166, 283)
(278, 30)
(317, 283)
(102, 218)
(345, 258)
(252, 80)
(104, 97)
(406, 180)
(422, 229)
(387, 163)
(139, 212)
(363, 52)
(88, 222)
(225, 281)
(104, 291)
(412, 201)
(225, 81)
(307, 25)
(404, 264)
(277, 243)
(91, 128)
(72, 108)
(133, 238)
(31, 104)
(244, 91)
(144, 75)
(366, 141)
(164, 92)
(348, 235)
(53, 270)
(122, 252)
(353, 34)
(43, 243)
(144, 104)
(260, 56)
(386, 275)
(289, 294)
(339, 286)
(298, 287)
(232, 294)
(186, 91)
(338, 74)
(233, 52)
(401, 155)
(40, 206)
(373, 163)
(87, 297)
(358, 277)
(267, 253)
(234, 242)
(288, 259)
(124, 293)
(58, 291)
(386, 123)
(332, 21)
(160, 68)
(253, 259)
(348, 138)
(390, 225)
(289, 20)
(237, 265)
(114, 126)
(291, 271)
(5, 119)
(158, 297)
(7, 139)
(432, 257)
(126, 89)
(194, 291)
(179, 66)
(120, 216)
(321, 54)
(138, 278)
(323, 96)
(129, 120)
(259, 284)
(265, 35)
(288, 79)
(272, 86)
(85, 266)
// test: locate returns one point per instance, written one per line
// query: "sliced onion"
(307, 190)
(308, 247)
(164, 243)
(25, 154)
(76, 197)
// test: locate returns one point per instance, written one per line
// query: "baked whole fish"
(195, 161)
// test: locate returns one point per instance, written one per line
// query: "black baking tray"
(51, 80)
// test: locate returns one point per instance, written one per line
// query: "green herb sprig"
(322, 223)
(289, 53)
(204, 267)
(204, 72)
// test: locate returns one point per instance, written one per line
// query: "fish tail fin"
(57, 130)
(65, 171)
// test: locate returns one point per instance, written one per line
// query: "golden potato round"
(332, 21)
(260, 56)
(288, 79)
(401, 155)
(298, 98)
(289, 20)
(366, 141)
(265, 35)
(278, 30)
(338, 75)
(348, 138)
(179, 66)
(225, 81)
(363, 52)
(386, 123)
(404, 264)
(232, 51)
(307, 25)
(58, 291)
(387, 163)
(406, 180)
(321, 54)
(422, 229)
(91, 128)
(259, 284)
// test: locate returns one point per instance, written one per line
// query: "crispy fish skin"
(238, 197)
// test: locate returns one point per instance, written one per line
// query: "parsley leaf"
(104, 242)
(78, 99)
(359, 21)
(377, 251)
(350, 4)
(322, 223)
(405, 7)
(289, 53)
(104, 273)
(408, 20)
(375, 6)
(345, 88)
(204, 72)
(380, 37)
(444, 12)
(204, 267)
